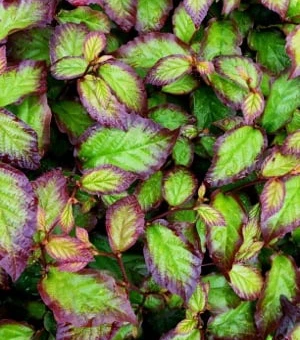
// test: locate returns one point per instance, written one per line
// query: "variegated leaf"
(66, 219)
(253, 106)
(94, 44)
(293, 50)
(183, 25)
(291, 145)
(278, 6)
(103, 332)
(69, 68)
(210, 216)
(229, 6)
(197, 9)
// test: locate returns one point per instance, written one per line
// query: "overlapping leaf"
(230, 5)
(291, 145)
(183, 25)
(253, 106)
(69, 68)
(94, 44)
(293, 50)
(197, 9)
(10, 329)
(169, 116)
(278, 6)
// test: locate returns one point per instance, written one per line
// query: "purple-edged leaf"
(183, 152)
(169, 69)
(210, 216)
(18, 142)
(140, 147)
(70, 253)
(182, 86)
(28, 78)
(35, 112)
(146, 50)
(125, 223)
(231, 162)
(246, 281)
(179, 186)
(151, 15)
(125, 84)
(170, 263)
(272, 197)
(69, 332)
(94, 44)
(291, 145)
(67, 41)
(18, 209)
(51, 191)
(175, 335)
(106, 179)
(69, 68)
(197, 9)
(101, 104)
(85, 2)
(122, 12)
(183, 25)
(10, 329)
(229, 6)
(16, 16)
(293, 51)
(280, 280)
(66, 219)
(198, 301)
(205, 67)
(253, 106)
(278, 6)
(278, 164)
(3, 61)
(98, 299)
(287, 218)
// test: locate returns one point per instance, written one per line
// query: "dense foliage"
(149, 174)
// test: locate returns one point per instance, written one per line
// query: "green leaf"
(284, 98)
(293, 11)
(246, 281)
(18, 143)
(253, 106)
(179, 186)
(278, 6)
(277, 164)
(293, 51)
(10, 329)
(149, 192)
(15, 17)
(281, 280)
(270, 47)
(181, 86)
(27, 78)
(221, 38)
(146, 50)
(291, 145)
(235, 323)
(116, 74)
(207, 107)
(170, 263)
(142, 147)
(231, 162)
(209, 215)
(94, 20)
(98, 299)
(197, 9)
(151, 15)
(124, 223)
(94, 44)
(198, 301)
(69, 68)
(183, 25)
(183, 152)
(18, 210)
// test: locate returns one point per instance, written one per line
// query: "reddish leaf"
(197, 9)
(278, 6)
(3, 61)
(125, 222)
(253, 106)
(292, 48)
(291, 145)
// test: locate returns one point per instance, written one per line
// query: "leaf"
(18, 142)
(67, 219)
(198, 301)
(277, 164)
(51, 191)
(142, 147)
(17, 82)
(107, 305)
(230, 162)
(174, 335)
(122, 12)
(94, 20)
(106, 179)
(229, 6)
(69, 68)
(280, 280)
(179, 186)
(98, 100)
(197, 9)
(237, 323)
(170, 263)
(183, 25)
(10, 329)
(124, 223)
(67, 41)
(278, 6)
(149, 192)
(293, 11)
(35, 112)
(221, 38)
(151, 15)
(18, 208)
(94, 44)
(284, 98)
(71, 118)
(293, 51)
(295, 332)
(125, 84)
(246, 281)
(210, 216)
(145, 50)
(15, 17)
(291, 145)
(169, 69)
(183, 152)
(3, 61)
(103, 332)
(253, 106)
(287, 218)
(183, 85)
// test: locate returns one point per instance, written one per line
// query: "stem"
(257, 181)
(102, 253)
(121, 265)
